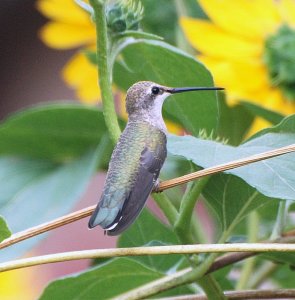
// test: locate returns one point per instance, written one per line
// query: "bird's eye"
(155, 90)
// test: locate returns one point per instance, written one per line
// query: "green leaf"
(284, 277)
(160, 18)
(287, 125)
(259, 111)
(231, 199)
(104, 281)
(4, 230)
(33, 192)
(57, 132)
(281, 257)
(274, 177)
(148, 230)
(234, 122)
(164, 64)
(138, 35)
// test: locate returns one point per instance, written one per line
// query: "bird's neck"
(153, 116)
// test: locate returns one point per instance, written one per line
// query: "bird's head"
(147, 95)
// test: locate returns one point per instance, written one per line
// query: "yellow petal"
(275, 100)
(66, 11)
(81, 75)
(18, 284)
(237, 77)
(212, 41)
(253, 19)
(256, 126)
(287, 11)
(64, 36)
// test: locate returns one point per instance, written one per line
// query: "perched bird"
(137, 158)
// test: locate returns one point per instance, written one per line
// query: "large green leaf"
(259, 111)
(273, 177)
(233, 122)
(164, 64)
(33, 192)
(148, 230)
(287, 125)
(104, 281)
(231, 199)
(4, 230)
(57, 132)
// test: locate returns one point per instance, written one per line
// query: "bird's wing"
(148, 172)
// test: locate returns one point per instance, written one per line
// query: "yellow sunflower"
(71, 27)
(249, 46)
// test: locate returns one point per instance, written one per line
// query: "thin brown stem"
(243, 295)
(83, 213)
(33, 231)
(224, 167)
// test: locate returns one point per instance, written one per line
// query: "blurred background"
(30, 74)
(29, 70)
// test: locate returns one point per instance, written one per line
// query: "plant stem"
(262, 273)
(166, 207)
(198, 231)
(243, 295)
(214, 249)
(211, 288)
(85, 212)
(183, 223)
(225, 167)
(247, 270)
(104, 70)
(281, 220)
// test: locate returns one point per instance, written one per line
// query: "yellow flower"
(71, 27)
(18, 284)
(238, 47)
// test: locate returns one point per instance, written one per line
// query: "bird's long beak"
(190, 89)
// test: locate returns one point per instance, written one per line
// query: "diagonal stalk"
(104, 70)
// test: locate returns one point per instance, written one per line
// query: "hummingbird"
(137, 158)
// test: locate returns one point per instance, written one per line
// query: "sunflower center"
(279, 57)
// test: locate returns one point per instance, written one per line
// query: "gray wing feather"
(148, 173)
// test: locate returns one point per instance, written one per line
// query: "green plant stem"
(193, 190)
(266, 269)
(154, 250)
(211, 288)
(247, 270)
(181, 41)
(180, 8)
(104, 70)
(183, 223)
(198, 230)
(166, 207)
(280, 220)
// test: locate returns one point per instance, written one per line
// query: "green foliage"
(49, 153)
(57, 132)
(231, 199)
(4, 230)
(259, 111)
(171, 67)
(117, 276)
(102, 282)
(59, 147)
(274, 177)
(149, 231)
